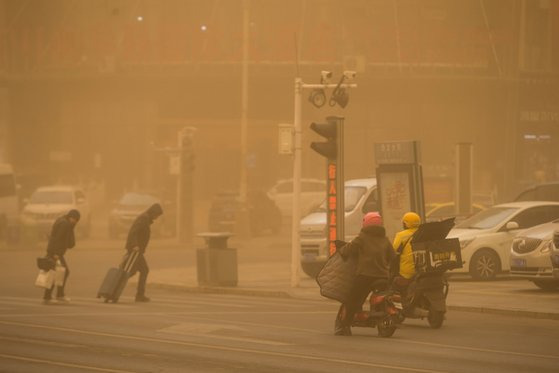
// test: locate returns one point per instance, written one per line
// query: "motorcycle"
(426, 298)
(385, 313)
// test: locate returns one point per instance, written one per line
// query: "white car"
(313, 192)
(360, 197)
(486, 237)
(531, 256)
(49, 203)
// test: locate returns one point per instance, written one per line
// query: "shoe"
(47, 301)
(142, 298)
(345, 331)
(63, 299)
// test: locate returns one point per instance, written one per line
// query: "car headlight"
(547, 247)
(464, 243)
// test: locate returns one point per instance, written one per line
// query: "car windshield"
(55, 197)
(135, 199)
(487, 219)
(351, 197)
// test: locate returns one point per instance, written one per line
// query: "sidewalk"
(506, 297)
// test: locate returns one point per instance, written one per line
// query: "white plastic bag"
(60, 272)
(45, 279)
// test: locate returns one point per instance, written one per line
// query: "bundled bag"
(45, 279)
(46, 263)
(337, 276)
(60, 273)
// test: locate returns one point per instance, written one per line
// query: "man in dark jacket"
(138, 239)
(61, 239)
(374, 254)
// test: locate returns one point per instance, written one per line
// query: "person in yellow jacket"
(410, 222)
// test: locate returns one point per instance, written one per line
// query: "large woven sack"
(336, 277)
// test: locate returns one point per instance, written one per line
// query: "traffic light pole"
(296, 207)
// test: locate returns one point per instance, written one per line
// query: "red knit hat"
(372, 218)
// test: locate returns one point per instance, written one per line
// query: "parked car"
(486, 237)
(530, 256)
(9, 203)
(264, 216)
(555, 255)
(360, 197)
(540, 192)
(442, 211)
(130, 205)
(48, 203)
(313, 192)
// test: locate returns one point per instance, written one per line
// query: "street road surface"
(184, 332)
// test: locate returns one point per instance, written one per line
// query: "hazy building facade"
(89, 89)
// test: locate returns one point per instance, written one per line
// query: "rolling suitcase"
(116, 279)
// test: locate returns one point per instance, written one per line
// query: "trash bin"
(216, 263)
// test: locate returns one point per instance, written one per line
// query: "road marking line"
(163, 313)
(62, 364)
(223, 348)
(226, 338)
(40, 342)
(486, 350)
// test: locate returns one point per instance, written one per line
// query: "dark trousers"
(362, 286)
(141, 266)
(60, 289)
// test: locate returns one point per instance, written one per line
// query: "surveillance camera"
(349, 75)
(325, 76)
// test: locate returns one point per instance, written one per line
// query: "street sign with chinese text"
(400, 152)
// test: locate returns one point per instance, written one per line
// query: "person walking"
(138, 240)
(374, 254)
(61, 239)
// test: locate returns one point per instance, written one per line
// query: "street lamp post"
(296, 207)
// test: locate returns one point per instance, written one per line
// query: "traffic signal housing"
(333, 150)
(331, 130)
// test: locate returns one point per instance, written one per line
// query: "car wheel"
(484, 265)
(547, 285)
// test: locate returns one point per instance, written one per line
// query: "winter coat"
(407, 264)
(373, 251)
(140, 231)
(61, 237)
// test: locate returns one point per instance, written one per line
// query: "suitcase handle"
(129, 260)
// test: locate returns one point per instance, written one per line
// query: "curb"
(287, 294)
(222, 290)
(499, 311)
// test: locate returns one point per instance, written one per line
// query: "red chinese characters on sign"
(331, 206)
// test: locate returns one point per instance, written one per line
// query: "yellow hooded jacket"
(407, 266)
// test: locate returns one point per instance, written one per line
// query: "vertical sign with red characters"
(332, 130)
(334, 207)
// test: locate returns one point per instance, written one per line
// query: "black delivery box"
(432, 251)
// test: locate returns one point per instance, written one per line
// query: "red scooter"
(385, 313)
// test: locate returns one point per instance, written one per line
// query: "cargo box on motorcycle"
(432, 252)
(437, 256)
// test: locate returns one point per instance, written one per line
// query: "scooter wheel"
(436, 319)
(386, 328)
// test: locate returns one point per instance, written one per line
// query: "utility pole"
(184, 171)
(296, 213)
(242, 220)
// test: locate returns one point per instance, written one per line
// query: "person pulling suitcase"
(138, 240)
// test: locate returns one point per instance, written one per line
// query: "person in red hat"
(374, 254)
